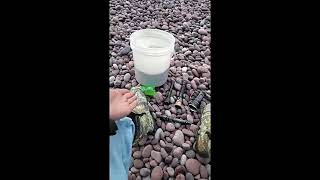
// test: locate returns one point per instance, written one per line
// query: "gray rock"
(170, 127)
(208, 166)
(189, 176)
(156, 156)
(168, 159)
(137, 154)
(170, 171)
(163, 153)
(167, 113)
(187, 132)
(134, 170)
(162, 143)
(112, 78)
(174, 162)
(126, 77)
(190, 118)
(125, 51)
(177, 86)
(172, 100)
(186, 146)
(173, 110)
(178, 138)
(145, 172)
(190, 154)
(156, 107)
(169, 147)
(193, 84)
(202, 87)
(177, 153)
(158, 97)
(157, 134)
(153, 163)
(183, 159)
(137, 163)
(147, 151)
(194, 128)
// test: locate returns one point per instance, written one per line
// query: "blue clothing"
(120, 149)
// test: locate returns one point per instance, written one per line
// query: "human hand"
(122, 102)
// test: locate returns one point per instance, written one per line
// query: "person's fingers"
(123, 91)
(133, 98)
(133, 104)
(129, 95)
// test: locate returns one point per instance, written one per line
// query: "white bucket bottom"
(151, 79)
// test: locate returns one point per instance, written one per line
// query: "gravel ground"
(169, 153)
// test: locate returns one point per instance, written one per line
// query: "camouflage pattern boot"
(141, 116)
(203, 142)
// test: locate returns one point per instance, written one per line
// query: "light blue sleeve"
(120, 149)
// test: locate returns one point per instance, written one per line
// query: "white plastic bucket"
(152, 50)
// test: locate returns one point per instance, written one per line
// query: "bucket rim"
(162, 50)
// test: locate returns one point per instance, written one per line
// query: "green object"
(148, 90)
